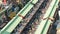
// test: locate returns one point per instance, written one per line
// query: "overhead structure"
(44, 25)
(16, 20)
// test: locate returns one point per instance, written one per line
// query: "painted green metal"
(44, 25)
(49, 21)
(16, 20)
